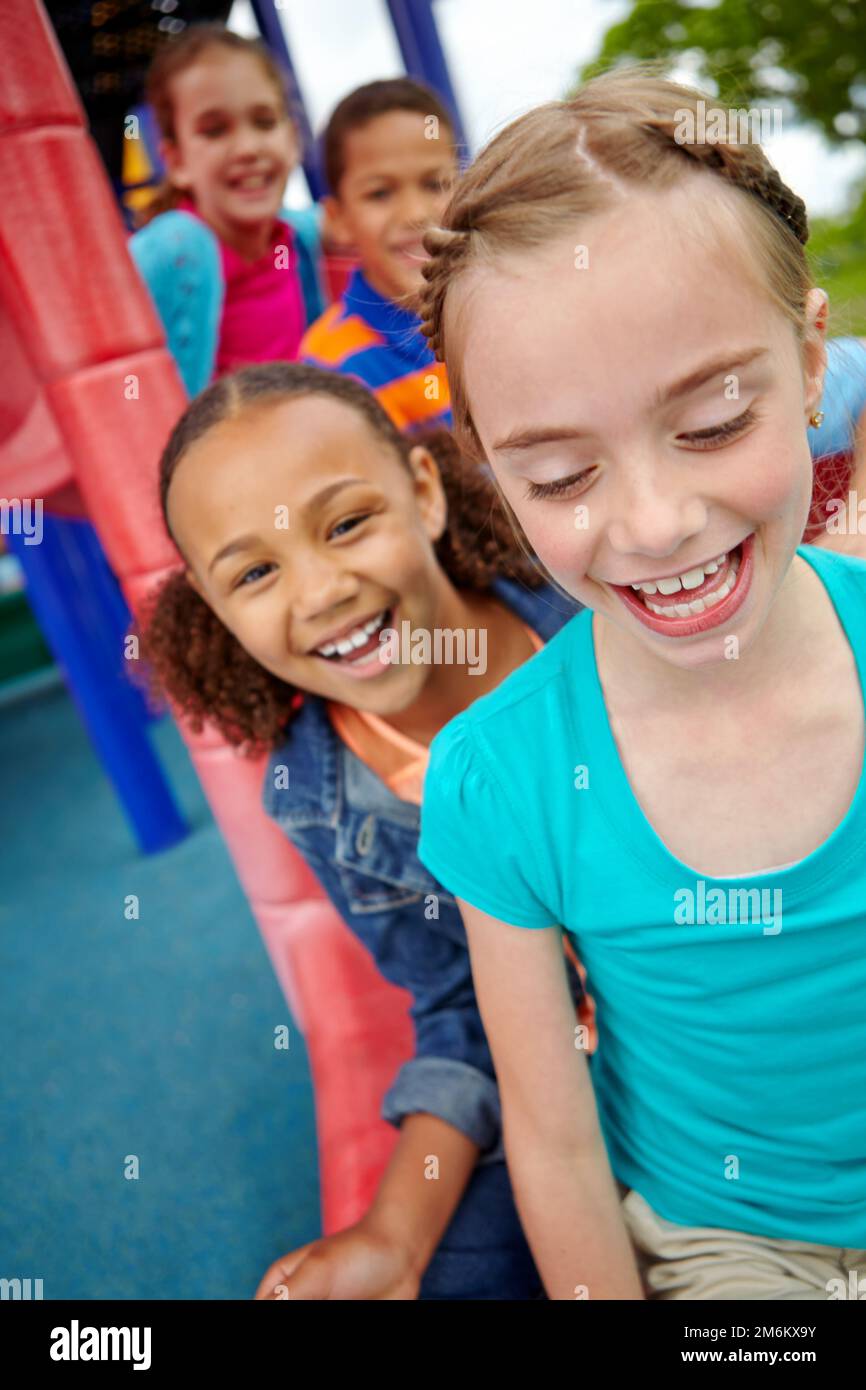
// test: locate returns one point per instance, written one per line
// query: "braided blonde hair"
(559, 163)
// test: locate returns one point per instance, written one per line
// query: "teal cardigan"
(178, 257)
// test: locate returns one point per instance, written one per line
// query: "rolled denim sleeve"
(452, 1074)
(456, 1090)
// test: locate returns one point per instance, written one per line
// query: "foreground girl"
(677, 779)
(272, 632)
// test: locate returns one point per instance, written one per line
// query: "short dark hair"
(364, 104)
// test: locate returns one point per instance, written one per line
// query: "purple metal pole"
(272, 32)
(421, 47)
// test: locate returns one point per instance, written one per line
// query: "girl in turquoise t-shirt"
(622, 301)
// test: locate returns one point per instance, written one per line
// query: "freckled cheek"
(560, 533)
(776, 483)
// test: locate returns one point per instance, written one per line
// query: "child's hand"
(358, 1263)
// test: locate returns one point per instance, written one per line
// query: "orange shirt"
(400, 763)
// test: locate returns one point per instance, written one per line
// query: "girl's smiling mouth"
(359, 656)
(252, 183)
(697, 600)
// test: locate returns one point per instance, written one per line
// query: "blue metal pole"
(274, 36)
(109, 615)
(421, 47)
(64, 591)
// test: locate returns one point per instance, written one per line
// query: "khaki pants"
(706, 1262)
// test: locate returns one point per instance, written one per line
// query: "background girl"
(273, 635)
(233, 282)
(677, 779)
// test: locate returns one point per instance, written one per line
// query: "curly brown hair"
(189, 654)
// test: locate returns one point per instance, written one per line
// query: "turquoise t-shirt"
(730, 1074)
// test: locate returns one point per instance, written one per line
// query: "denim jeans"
(483, 1253)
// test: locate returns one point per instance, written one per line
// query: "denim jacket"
(360, 840)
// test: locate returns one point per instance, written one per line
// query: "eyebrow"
(528, 438)
(434, 167)
(687, 384)
(213, 111)
(247, 542)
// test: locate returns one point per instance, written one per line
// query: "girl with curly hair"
(314, 536)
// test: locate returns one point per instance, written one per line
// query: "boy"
(390, 160)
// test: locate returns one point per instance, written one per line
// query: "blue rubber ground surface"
(149, 1038)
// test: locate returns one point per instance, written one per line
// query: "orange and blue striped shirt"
(369, 337)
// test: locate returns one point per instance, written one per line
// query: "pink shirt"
(263, 316)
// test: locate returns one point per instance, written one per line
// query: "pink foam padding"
(69, 285)
(36, 87)
(74, 304)
(32, 456)
(136, 400)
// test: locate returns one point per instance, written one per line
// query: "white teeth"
(354, 639)
(718, 594)
(698, 605)
(692, 578)
(669, 586)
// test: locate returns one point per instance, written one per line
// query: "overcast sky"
(505, 56)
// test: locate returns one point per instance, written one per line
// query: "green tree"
(805, 54)
(807, 57)
(837, 251)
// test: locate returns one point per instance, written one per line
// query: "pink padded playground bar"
(75, 324)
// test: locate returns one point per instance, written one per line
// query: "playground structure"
(88, 399)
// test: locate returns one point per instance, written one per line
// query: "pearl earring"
(816, 419)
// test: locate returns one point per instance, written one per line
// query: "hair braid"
(446, 247)
(743, 164)
(565, 161)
